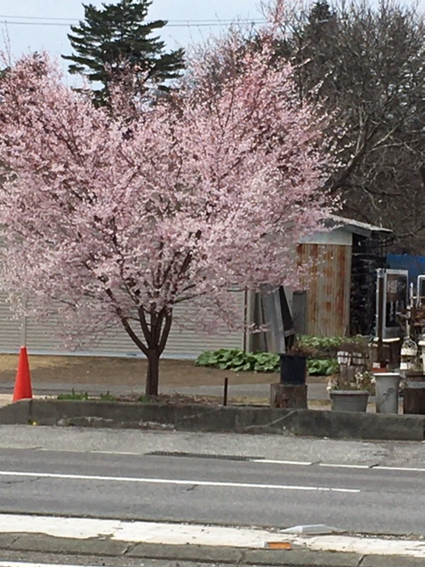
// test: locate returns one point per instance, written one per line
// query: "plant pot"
(349, 400)
(387, 386)
(293, 369)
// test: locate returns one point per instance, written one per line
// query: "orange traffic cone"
(23, 388)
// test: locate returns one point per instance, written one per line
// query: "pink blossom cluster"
(117, 217)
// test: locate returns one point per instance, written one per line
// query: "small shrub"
(322, 366)
(361, 380)
(325, 347)
(237, 360)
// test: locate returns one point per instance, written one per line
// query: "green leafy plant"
(238, 360)
(325, 347)
(322, 366)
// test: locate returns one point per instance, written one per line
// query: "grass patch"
(73, 395)
(107, 397)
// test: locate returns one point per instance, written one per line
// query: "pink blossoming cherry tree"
(116, 215)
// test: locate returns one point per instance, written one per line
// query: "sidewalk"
(211, 545)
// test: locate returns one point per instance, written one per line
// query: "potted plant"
(349, 389)
(352, 395)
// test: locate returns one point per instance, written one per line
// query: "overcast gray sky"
(35, 25)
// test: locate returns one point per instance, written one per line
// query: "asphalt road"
(212, 490)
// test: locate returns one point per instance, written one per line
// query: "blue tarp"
(414, 264)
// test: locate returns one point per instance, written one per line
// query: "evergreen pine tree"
(115, 39)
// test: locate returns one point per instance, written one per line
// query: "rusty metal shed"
(340, 262)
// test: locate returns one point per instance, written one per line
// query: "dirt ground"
(77, 370)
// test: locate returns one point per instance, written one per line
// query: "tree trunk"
(152, 375)
(288, 396)
(155, 334)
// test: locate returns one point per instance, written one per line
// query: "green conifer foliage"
(114, 41)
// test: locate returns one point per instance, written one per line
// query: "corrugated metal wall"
(327, 314)
(182, 343)
(328, 286)
(10, 328)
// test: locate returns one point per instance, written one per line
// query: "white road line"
(177, 481)
(130, 453)
(337, 466)
(20, 564)
(309, 464)
(410, 469)
(264, 461)
(273, 462)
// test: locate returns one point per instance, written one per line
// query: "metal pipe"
(225, 391)
(380, 321)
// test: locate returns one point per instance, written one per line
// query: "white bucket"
(387, 385)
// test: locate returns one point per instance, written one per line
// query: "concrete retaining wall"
(314, 423)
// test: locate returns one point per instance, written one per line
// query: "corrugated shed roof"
(357, 227)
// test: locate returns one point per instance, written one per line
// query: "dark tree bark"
(156, 335)
(152, 374)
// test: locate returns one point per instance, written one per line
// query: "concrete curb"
(204, 554)
(218, 419)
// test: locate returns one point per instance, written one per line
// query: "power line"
(73, 20)
(10, 23)
(43, 21)
(188, 25)
(37, 18)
